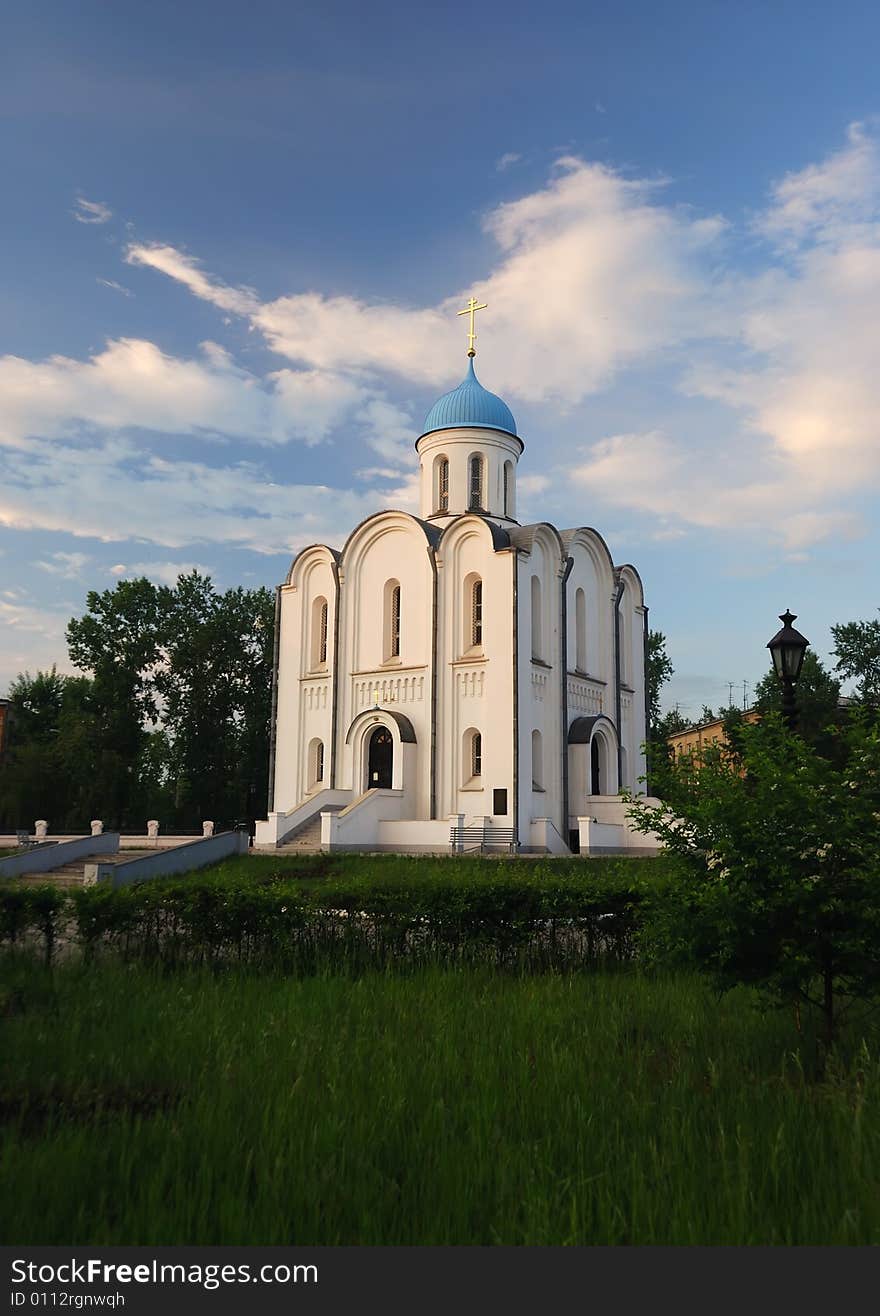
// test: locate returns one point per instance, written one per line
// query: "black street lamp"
(788, 647)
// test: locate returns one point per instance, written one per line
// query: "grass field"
(437, 1107)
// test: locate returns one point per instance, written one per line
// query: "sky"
(234, 239)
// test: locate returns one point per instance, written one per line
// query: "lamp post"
(788, 647)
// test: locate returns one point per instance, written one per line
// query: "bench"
(483, 838)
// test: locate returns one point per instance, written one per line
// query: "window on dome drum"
(476, 482)
(319, 633)
(477, 612)
(391, 623)
(443, 484)
(508, 488)
(536, 618)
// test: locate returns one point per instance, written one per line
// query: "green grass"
(437, 1107)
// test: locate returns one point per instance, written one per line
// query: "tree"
(817, 693)
(659, 671)
(51, 770)
(214, 685)
(117, 642)
(857, 649)
(775, 854)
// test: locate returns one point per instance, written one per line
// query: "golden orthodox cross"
(472, 307)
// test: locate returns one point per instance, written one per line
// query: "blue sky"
(234, 239)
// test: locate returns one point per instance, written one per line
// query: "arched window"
(442, 500)
(319, 632)
(508, 489)
(625, 625)
(316, 763)
(472, 756)
(580, 627)
(476, 481)
(477, 612)
(537, 761)
(391, 620)
(536, 618)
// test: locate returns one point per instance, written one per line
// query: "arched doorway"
(380, 760)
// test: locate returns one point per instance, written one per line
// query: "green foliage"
(659, 670)
(776, 855)
(857, 649)
(385, 914)
(172, 721)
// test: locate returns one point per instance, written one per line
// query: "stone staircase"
(305, 840)
(71, 875)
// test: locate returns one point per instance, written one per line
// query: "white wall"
(459, 445)
(389, 546)
(475, 684)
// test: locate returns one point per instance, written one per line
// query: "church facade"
(457, 668)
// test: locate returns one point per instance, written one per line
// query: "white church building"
(458, 669)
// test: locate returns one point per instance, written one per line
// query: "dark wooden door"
(381, 759)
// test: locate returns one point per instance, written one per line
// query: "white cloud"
(166, 573)
(828, 199)
(593, 274)
(91, 212)
(506, 160)
(33, 639)
(67, 565)
(186, 270)
(132, 383)
(136, 496)
(116, 287)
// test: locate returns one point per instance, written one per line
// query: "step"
(72, 874)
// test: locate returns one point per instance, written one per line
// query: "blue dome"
(470, 405)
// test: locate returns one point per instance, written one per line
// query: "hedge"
(515, 915)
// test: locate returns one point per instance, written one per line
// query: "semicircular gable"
(372, 526)
(631, 578)
(542, 533)
(308, 557)
(594, 543)
(471, 523)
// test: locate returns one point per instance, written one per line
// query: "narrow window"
(477, 612)
(391, 620)
(499, 802)
(395, 622)
(580, 621)
(537, 762)
(536, 617)
(322, 634)
(476, 482)
(508, 488)
(476, 754)
(443, 485)
(319, 633)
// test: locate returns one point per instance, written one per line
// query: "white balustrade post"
(41, 827)
(153, 829)
(97, 827)
(207, 829)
